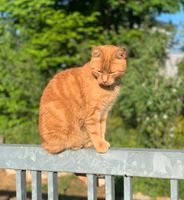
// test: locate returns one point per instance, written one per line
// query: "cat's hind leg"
(54, 142)
(54, 128)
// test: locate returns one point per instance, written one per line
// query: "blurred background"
(40, 38)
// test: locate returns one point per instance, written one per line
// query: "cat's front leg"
(94, 130)
(103, 121)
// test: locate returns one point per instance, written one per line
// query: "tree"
(20, 88)
(57, 32)
(36, 40)
(117, 13)
(52, 36)
(150, 102)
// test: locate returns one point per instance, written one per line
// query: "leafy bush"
(150, 102)
(20, 89)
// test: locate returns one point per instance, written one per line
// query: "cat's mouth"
(109, 86)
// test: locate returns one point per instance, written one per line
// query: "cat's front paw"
(102, 147)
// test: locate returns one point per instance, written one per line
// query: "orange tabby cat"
(75, 104)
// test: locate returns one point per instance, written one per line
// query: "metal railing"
(128, 163)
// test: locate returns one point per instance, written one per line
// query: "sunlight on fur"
(75, 103)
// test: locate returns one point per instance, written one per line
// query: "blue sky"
(178, 20)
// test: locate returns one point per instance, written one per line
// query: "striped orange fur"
(75, 103)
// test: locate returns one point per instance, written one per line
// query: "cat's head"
(108, 64)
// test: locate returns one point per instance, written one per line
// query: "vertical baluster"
(109, 187)
(20, 185)
(127, 188)
(174, 189)
(52, 186)
(91, 187)
(36, 185)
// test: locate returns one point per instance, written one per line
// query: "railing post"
(52, 186)
(174, 189)
(92, 187)
(36, 185)
(109, 187)
(20, 184)
(127, 188)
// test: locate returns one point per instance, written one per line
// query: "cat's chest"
(109, 99)
(104, 99)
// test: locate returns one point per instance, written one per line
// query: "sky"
(178, 20)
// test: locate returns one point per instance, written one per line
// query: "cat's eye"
(95, 74)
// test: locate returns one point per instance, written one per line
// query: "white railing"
(128, 163)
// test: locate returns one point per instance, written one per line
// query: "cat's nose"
(104, 78)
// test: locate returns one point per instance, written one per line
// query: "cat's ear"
(121, 53)
(96, 52)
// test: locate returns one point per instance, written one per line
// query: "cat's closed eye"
(95, 74)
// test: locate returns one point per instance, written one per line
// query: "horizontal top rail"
(117, 161)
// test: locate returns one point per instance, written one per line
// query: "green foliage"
(57, 43)
(20, 88)
(156, 187)
(119, 136)
(152, 187)
(117, 13)
(150, 102)
(53, 37)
